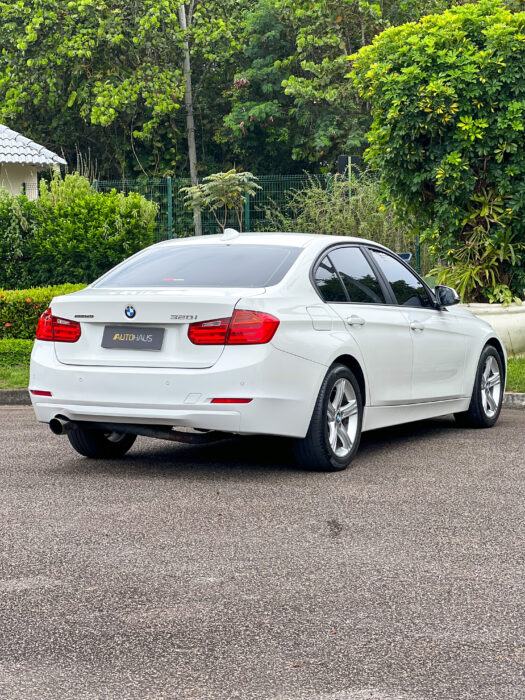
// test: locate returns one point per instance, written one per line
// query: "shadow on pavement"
(244, 453)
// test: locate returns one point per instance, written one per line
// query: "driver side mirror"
(446, 296)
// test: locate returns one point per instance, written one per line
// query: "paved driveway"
(225, 572)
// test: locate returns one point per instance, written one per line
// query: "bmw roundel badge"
(130, 312)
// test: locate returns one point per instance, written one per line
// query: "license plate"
(133, 338)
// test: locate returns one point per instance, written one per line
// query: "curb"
(20, 397)
(14, 397)
(514, 400)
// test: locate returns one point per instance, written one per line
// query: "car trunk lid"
(129, 321)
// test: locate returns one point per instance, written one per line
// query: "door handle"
(355, 320)
(417, 326)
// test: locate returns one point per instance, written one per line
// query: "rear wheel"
(487, 395)
(100, 444)
(333, 436)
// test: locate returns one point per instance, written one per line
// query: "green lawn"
(516, 375)
(17, 376)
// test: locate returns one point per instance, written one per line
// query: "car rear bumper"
(283, 389)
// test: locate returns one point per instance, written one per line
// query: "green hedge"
(70, 233)
(20, 309)
(15, 352)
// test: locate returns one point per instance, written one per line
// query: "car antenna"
(229, 234)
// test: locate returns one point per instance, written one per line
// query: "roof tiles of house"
(15, 148)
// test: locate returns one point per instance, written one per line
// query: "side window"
(328, 283)
(407, 289)
(358, 277)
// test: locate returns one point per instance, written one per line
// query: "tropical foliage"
(223, 194)
(142, 88)
(105, 79)
(346, 207)
(108, 75)
(447, 96)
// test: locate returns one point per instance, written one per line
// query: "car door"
(439, 340)
(347, 282)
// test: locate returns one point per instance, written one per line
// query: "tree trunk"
(190, 123)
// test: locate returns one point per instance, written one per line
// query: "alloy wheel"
(342, 418)
(490, 387)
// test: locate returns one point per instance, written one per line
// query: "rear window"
(205, 266)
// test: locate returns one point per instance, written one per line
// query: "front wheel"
(487, 394)
(333, 436)
(100, 444)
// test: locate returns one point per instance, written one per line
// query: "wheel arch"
(498, 346)
(354, 366)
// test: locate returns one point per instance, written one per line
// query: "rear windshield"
(204, 266)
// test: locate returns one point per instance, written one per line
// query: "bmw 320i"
(313, 337)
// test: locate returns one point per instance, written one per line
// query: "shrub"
(20, 309)
(15, 351)
(343, 208)
(80, 233)
(448, 112)
(16, 226)
(70, 233)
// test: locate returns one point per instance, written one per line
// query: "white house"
(20, 161)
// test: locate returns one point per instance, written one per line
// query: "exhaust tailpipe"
(60, 426)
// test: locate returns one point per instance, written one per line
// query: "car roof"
(296, 240)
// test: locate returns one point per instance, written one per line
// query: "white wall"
(12, 177)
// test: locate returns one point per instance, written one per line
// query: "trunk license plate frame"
(133, 338)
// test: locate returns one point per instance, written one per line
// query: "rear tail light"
(56, 329)
(209, 332)
(249, 327)
(41, 392)
(231, 400)
(243, 328)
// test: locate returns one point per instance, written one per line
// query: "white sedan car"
(313, 337)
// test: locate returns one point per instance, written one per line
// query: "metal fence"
(175, 220)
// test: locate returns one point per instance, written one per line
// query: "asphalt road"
(226, 572)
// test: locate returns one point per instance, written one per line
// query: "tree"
(111, 79)
(332, 120)
(188, 100)
(260, 127)
(109, 74)
(448, 104)
(291, 105)
(223, 194)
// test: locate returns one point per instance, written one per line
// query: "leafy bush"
(14, 351)
(20, 309)
(476, 266)
(16, 226)
(346, 207)
(81, 234)
(448, 111)
(70, 233)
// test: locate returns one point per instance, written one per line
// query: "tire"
(334, 433)
(100, 444)
(487, 394)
